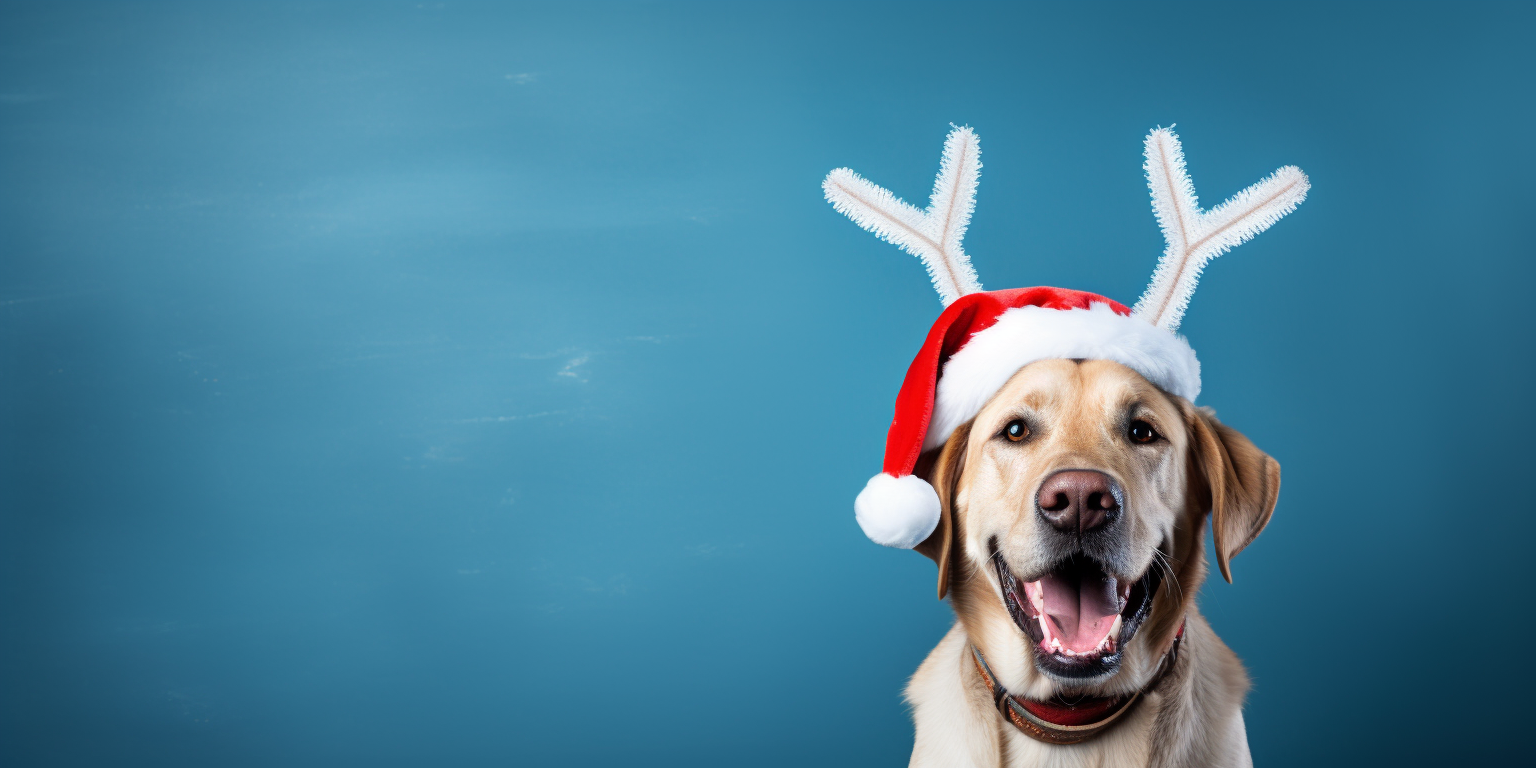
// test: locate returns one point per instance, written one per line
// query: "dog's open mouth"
(1079, 616)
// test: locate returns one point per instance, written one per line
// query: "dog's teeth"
(1114, 630)
(1035, 592)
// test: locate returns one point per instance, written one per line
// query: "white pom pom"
(897, 511)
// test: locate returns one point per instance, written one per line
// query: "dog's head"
(1072, 512)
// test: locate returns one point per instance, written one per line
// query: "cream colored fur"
(1200, 469)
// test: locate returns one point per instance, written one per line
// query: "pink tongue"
(1081, 606)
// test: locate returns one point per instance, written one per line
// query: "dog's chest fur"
(1196, 720)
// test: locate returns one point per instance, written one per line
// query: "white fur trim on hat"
(897, 511)
(1025, 334)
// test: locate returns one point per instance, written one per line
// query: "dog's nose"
(1078, 500)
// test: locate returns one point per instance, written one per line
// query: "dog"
(1045, 451)
(1073, 509)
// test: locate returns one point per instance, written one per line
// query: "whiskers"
(1161, 561)
(994, 561)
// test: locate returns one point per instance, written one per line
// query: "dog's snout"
(1078, 500)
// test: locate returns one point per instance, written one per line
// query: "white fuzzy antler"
(1195, 237)
(933, 235)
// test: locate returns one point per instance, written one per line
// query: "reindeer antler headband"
(1194, 237)
(983, 337)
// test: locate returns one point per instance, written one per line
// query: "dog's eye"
(1142, 432)
(1016, 430)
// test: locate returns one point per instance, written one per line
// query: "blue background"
(449, 384)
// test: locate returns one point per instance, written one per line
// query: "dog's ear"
(1243, 481)
(942, 468)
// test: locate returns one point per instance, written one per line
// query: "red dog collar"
(1058, 722)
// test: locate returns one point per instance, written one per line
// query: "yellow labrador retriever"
(1070, 542)
(1045, 451)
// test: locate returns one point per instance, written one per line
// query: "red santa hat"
(983, 337)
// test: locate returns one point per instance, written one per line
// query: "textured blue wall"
(442, 384)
